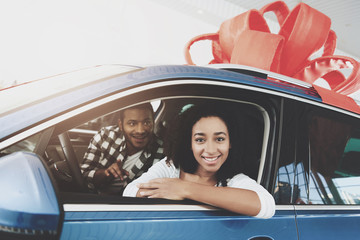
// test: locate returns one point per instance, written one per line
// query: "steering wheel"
(72, 161)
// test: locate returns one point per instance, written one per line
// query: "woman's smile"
(211, 159)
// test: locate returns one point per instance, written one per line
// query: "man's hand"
(168, 188)
(103, 176)
(115, 170)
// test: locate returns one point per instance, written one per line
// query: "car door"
(111, 217)
(325, 172)
(93, 216)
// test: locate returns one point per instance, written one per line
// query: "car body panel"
(176, 224)
(328, 222)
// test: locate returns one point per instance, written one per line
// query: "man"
(119, 154)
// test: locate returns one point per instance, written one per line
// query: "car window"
(27, 145)
(326, 163)
(286, 188)
(81, 135)
(343, 185)
(328, 182)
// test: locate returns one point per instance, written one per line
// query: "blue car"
(303, 149)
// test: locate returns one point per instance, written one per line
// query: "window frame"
(178, 91)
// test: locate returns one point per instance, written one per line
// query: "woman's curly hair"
(178, 140)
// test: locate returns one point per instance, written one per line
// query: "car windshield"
(27, 145)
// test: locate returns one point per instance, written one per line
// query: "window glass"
(347, 176)
(291, 184)
(287, 182)
(330, 173)
(284, 184)
(28, 145)
(319, 159)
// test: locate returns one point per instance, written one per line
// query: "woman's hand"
(237, 200)
(168, 188)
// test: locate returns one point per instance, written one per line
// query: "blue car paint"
(28, 201)
(33, 114)
(176, 225)
(328, 224)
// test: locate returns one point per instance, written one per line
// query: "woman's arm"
(257, 203)
(159, 170)
(237, 200)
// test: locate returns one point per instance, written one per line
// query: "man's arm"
(91, 163)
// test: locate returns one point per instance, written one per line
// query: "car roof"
(35, 91)
(66, 91)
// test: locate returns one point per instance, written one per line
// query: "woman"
(204, 164)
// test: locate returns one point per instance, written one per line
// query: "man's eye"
(147, 123)
(131, 124)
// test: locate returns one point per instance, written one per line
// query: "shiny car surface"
(302, 149)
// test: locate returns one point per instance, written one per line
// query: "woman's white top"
(163, 170)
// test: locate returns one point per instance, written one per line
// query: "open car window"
(256, 133)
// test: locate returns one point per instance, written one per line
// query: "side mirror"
(28, 205)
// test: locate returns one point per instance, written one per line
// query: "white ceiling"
(345, 15)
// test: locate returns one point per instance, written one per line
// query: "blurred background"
(40, 38)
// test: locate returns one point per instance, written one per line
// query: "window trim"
(148, 207)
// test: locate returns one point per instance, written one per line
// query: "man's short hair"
(145, 106)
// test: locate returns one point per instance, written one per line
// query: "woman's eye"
(220, 139)
(199, 140)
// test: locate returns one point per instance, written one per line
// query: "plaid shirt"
(109, 145)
